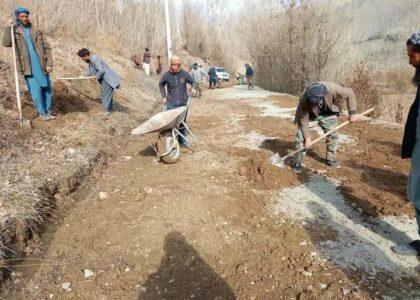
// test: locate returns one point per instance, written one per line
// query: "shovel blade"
(276, 160)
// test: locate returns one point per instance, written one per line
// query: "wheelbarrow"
(166, 124)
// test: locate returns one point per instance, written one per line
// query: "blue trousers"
(182, 129)
(107, 95)
(41, 96)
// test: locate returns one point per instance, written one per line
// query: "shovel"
(22, 122)
(278, 161)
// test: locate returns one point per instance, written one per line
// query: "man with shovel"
(107, 78)
(176, 93)
(34, 60)
(320, 102)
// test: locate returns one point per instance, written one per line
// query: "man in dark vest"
(411, 146)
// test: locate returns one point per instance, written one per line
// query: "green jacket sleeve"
(7, 37)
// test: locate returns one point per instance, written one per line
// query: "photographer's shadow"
(183, 274)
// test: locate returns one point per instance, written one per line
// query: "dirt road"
(222, 224)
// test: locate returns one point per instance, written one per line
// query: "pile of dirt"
(261, 173)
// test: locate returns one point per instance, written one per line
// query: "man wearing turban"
(34, 60)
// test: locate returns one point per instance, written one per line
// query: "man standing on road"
(107, 78)
(198, 74)
(320, 102)
(411, 146)
(176, 94)
(34, 60)
(212, 78)
(146, 61)
(159, 66)
(249, 76)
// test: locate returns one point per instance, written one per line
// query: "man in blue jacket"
(108, 79)
(176, 94)
(249, 76)
(411, 146)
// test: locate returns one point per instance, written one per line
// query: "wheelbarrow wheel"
(164, 143)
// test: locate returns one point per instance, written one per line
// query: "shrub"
(361, 80)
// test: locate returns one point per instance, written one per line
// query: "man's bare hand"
(352, 118)
(49, 69)
(308, 142)
(164, 100)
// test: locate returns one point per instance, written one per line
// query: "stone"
(148, 190)
(346, 291)
(88, 273)
(103, 195)
(323, 286)
(306, 273)
(66, 286)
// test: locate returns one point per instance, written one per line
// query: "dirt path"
(221, 223)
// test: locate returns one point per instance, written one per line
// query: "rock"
(51, 296)
(323, 286)
(103, 195)
(303, 243)
(127, 269)
(306, 273)
(66, 286)
(242, 170)
(71, 151)
(88, 273)
(346, 291)
(127, 158)
(148, 190)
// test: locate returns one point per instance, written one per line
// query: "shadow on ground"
(183, 274)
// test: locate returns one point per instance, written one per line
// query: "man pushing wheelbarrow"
(170, 125)
(176, 93)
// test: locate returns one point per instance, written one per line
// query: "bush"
(361, 80)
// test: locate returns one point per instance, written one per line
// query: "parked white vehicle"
(222, 74)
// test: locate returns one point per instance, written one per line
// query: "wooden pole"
(18, 99)
(76, 78)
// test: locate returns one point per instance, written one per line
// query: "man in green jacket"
(34, 60)
(321, 102)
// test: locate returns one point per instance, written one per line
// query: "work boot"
(332, 162)
(412, 249)
(297, 167)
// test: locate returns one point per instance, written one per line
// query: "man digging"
(320, 102)
(411, 146)
(107, 78)
(34, 60)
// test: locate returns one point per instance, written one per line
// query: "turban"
(21, 10)
(415, 38)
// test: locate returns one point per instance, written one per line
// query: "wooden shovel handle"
(326, 134)
(76, 78)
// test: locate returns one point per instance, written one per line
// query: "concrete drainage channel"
(345, 236)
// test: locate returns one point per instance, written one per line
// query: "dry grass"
(361, 79)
